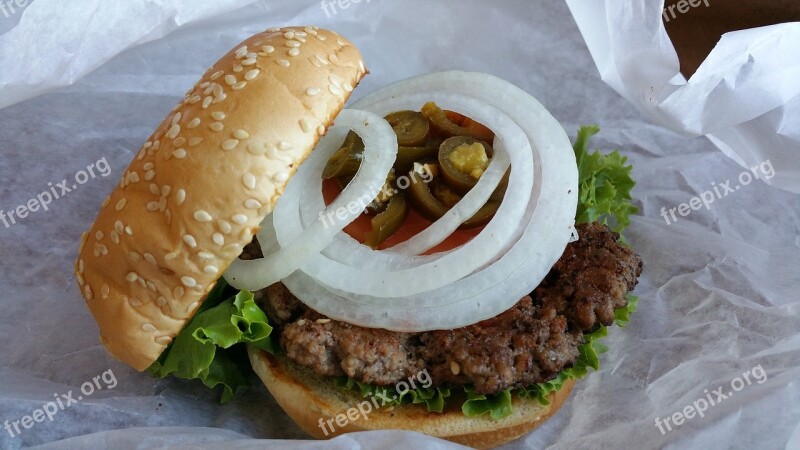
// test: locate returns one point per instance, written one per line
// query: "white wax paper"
(719, 295)
(745, 96)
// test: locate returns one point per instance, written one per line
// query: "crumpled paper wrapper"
(745, 97)
(719, 295)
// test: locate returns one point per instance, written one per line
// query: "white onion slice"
(299, 244)
(516, 272)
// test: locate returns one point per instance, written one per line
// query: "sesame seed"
(150, 259)
(289, 35)
(213, 270)
(170, 256)
(292, 44)
(133, 256)
(120, 204)
(216, 75)
(249, 62)
(132, 276)
(148, 327)
(193, 123)
(163, 340)
(104, 291)
(114, 237)
(177, 118)
(230, 144)
(282, 62)
(209, 89)
(217, 126)
(312, 91)
(333, 58)
(135, 302)
(129, 230)
(161, 301)
(335, 80)
(168, 217)
(203, 85)
(321, 130)
(322, 37)
(268, 49)
(249, 181)
(321, 60)
(252, 203)
(88, 291)
(294, 51)
(205, 255)
(230, 80)
(285, 146)
(240, 219)
(301, 322)
(188, 281)
(348, 87)
(133, 177)
(218, 115)
(181, 196)
(81, 281)
(119, 226)
(280, 177)
(218, 238)
(455, 368)
(241, 134)
(178, 292)
(152, 206)
(106, 201)
(179, 153)
(99, 235)
(306, 125)
(232, 248)
(323, 321)
(149, 175)
(220, 98)
(340, 42)
(194, 141)
(241, 51)
(207, 101)
(202, 216)
(179, 141)
(80, 265)
(148, 166)
(174, 131)
(251, 74)
(240, 85)
(189, 240)
(165, 190)
(217, 90)
(335, 90)
(192, 307)
(251, 55)
(194, 99)
(224, 226)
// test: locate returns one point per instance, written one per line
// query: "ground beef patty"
(529, 343)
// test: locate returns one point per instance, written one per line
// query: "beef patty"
(530, 343)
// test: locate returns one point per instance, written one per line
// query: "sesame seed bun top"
(198, 189)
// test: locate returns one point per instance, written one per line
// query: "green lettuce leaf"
(604, 184)
(204, 349)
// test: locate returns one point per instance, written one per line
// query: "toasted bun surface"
(198, 189)
(308, 398)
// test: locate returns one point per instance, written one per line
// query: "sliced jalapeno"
(385, 224)
(410, 127)
(346, 161)
(463, 160)
(446, 127)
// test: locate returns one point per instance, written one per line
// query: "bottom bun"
(307, 398)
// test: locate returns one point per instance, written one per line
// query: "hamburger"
(444, 260)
